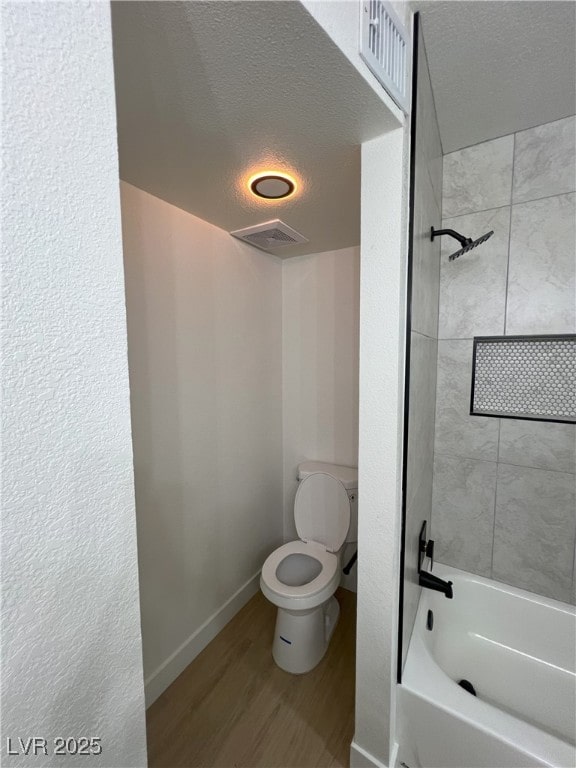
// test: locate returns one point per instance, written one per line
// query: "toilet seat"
(308, 595)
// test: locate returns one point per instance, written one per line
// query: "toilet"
(300, 577)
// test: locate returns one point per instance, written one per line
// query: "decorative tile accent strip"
(524, 377)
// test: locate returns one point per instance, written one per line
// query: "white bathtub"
(519, 652)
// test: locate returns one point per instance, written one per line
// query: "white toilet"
(302, 576)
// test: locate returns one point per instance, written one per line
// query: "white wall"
(382, 308)
(320, 311)
(71, 658)
(340, 19)
(205, 350)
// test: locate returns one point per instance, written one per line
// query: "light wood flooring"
(234, 708)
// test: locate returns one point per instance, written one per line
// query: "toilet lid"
(322, 511)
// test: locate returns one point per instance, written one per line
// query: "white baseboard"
(169, 670)
(360, 758)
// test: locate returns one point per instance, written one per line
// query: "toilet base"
(301, 638)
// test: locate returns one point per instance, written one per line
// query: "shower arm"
(464, 241)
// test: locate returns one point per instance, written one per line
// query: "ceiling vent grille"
(270, 235)
(386, 49)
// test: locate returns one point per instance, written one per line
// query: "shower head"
(466, 242)
(472, 244)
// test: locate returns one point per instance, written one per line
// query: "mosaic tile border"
(524, 377)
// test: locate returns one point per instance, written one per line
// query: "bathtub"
(519, 652)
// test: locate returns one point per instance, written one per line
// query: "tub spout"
(430, 581)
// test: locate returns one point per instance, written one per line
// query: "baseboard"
(360, 758)
(167, 672)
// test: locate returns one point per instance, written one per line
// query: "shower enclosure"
(487, 645)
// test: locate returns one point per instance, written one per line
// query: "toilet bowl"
(300, 577)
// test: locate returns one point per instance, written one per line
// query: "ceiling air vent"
(386, 49)
(270, 235)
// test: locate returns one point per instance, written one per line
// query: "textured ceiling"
(499, 67)
(210, 92)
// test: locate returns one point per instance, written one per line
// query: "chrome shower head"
(466, 242)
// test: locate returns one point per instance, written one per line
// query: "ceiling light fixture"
(272, 185)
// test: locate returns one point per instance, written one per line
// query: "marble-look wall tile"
(422, 393)
(458, 433)
(426, 258)
(545, 161)
(538, 444)
(473, 287)
(463, 512)
(542, 269)
(427, 207)
(540, 277)
(419, 509)
(572, 596)
(478, 178)
(428, 144)
(535, 530)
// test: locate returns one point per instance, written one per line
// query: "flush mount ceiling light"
(272, 185)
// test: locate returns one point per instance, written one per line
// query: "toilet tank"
(348, 476)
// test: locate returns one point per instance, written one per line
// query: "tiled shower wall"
(504, 490)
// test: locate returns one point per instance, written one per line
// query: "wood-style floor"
(234, 708)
